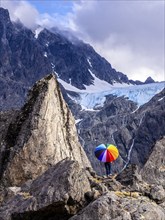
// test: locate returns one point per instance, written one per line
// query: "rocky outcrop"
(148, 181)
(153, 171)
(57, 194)
(5, 119)
(41, 135)
(68, 191)
(121, 205)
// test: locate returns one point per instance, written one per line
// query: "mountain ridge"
(25, 58)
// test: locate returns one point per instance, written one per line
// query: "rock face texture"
(151, 128)
(41, 135)
(66, 191)
(119, 206)
(21, 62)
(153, 171)
(57, 194)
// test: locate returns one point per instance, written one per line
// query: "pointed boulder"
(43, 134)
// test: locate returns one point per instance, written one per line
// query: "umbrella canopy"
(106, 153)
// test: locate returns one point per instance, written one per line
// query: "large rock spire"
(43, 134)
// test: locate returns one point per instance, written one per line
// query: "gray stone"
(121, 206)
(58, 194)
(153, 171)
(157, 193)
(43, 134)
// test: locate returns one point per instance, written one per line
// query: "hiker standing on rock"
(108, 168)
(107, 153)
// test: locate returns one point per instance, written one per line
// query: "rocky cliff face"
(21, 62)
(42, 134)
(153, 171)
(72, 59)
(151, 128)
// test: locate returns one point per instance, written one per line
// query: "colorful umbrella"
(106, 153)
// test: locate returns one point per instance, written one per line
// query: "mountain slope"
(26, 57)
(73, 59)
(151, 129)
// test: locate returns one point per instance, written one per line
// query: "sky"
(130, 34)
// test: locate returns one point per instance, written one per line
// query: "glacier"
(95, 95)
(137, 93)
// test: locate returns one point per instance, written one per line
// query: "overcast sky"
(129, 34)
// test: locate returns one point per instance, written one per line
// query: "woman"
(108, 168)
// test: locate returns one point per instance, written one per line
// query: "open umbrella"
(106, 152)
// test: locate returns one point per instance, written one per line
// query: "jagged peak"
(39, 85)
(4, 15)
(149, 80)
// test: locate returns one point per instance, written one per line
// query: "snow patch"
(161, 99)
(98, 86)
(45, 54)
(53, 66)
(68, 86)
(90, 64)
(78, 120)
(37, 31)
(135, 110)
(71, 97)
(57, 75)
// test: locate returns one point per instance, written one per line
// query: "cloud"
(31, 17)
(23, 11)
(129, 34)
